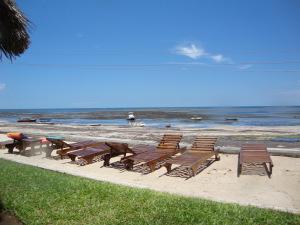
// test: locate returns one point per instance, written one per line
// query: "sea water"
(160, 117)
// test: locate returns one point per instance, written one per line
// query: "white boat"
(196, 118)
(131, 116)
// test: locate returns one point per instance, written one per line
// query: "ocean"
(160, 117)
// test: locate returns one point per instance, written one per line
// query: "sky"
(181, 53)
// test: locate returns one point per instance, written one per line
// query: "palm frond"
(14, 37)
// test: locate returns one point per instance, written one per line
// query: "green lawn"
(38, 196)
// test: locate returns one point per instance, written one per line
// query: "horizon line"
(152, 107)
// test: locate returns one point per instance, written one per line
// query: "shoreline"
(229, 137)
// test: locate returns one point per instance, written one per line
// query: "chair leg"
(128, 164)
(193, 171)
(89, 159)
(48, 152)
(270, 169)
(239, 169)
(217, 157)
(106, 159)
(10, 148)
(168, 167)
(152, 166)
(72, 157)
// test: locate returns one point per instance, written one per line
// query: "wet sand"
(231, 136)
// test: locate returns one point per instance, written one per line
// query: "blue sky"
(156, 53)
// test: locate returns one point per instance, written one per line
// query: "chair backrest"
(58, 142)
(118, 148)
(170, 142)
(254, 147)
(204, 144)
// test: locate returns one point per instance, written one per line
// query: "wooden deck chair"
(255, 153)
(63, 147)
(203, 148)
(23, 142)
(168, 146)
(105, 149)
(87, 154)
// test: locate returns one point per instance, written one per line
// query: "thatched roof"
(14, 37)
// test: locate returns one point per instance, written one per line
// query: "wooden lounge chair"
(63, 147)
(105, 149)
(203, 149)
(23, 144)
(86, 155)
(255, 153)
(121, 149)
(168, 146)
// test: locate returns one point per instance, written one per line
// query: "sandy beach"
(218, 182)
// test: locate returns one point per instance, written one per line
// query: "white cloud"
(2, 86)
(245, 66)
(218, 58)
(192, 51)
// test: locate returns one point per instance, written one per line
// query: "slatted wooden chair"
(87, 155)
(62, 147)
(105, 149)
(203, 149)
(22, 142)
(257, 154)
(168, 146)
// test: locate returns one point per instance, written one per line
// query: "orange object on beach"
(16, 136)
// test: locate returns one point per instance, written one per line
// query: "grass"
(38, 196)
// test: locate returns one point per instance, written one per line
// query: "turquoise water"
(159, 117)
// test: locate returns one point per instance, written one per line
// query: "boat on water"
(131, 117)
(26, 120)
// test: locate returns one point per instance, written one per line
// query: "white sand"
(218, 182)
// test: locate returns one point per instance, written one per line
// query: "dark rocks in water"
(26, 120)
(168, 125)
(231, 119)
